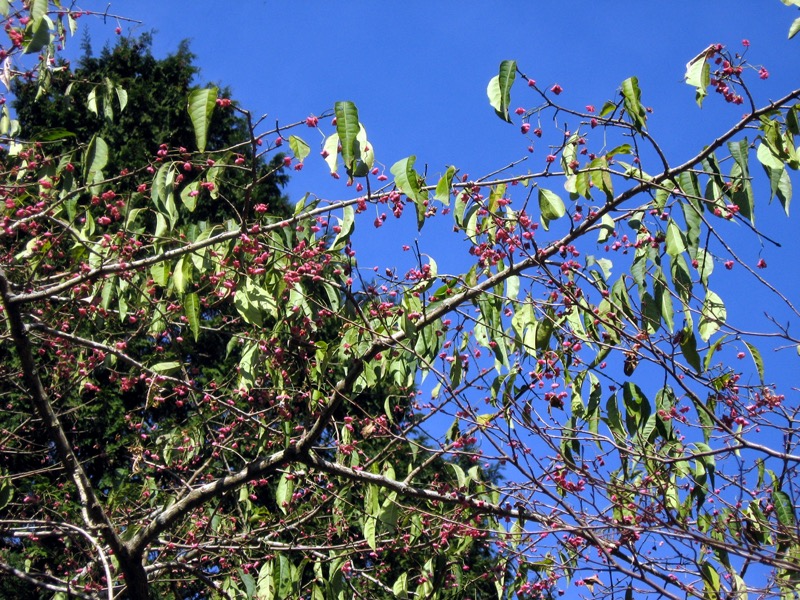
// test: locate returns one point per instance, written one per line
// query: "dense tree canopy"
(206, 395)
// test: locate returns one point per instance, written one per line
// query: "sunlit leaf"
(443, 186)
(201, 106)
(346, 227)
(688, 344)
(632, 96)
(698, 74)
(407, 181)
(348, 127)
(191, 309)
(499, 89)
(795, 27)
(756, 359)
(283, 494)
(96, 157)
(712, 315)
(675, 239)
(784, 509)
(299, 148)
(551, 207)
(41, 33)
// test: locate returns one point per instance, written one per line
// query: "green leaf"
(52, 135)
(166, 367)
(712, 315)
(675, 239)
(400, 587)
(607, 109)
(6, 490)
(711, 351)
(91, 101)
(331, 152)
(38, 9)
(689, 348)
(499, 89)
(708, 460)
(600, 176)
(370, 524)
(784, 510)
(96, 158)
(710, 580)
(637, 406)
(160, 273)
(606, 228)
(633, 103)
(283, 495)
(705, 265)
(779, 182)
(443, 187)
(348, 127)
(614, 419)
(407, 181)
(191, 308)
(299, 148)
(201, 107)
(742, 188)
(122, 97)
(41, 33)
(551, 207)
(698, 75)
(246, 365)
(181, 274)
(756, 359)
(794, 28)
(345, 229)
(189, 195)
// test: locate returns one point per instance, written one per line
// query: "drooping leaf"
(688, 344)
(345, 228)
(96, 158)
(191, 309)
(407, 181)
(742, 189)
(780, 183)
(201, 106)
(41, 33)
(499, 89)
(122, 97)
(330, 151)
(606, 228)
(443, 186)
(698, 75)
(632, 96)
(300, 148)
(347, 127)
(283, 495)
(675, 239)
(795, 27)
(551, 207)
(759, 362)
(712, 315)
(784, 510)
